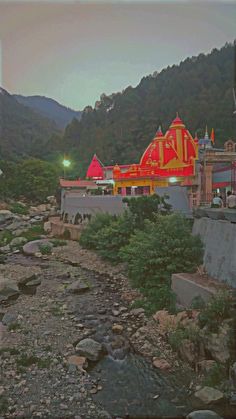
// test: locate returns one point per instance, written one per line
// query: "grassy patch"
(58, 242)
(56, 311)
(11, 351)
(5, 237)
(18, 208)
(14, 326)
(34, 232)
(176, 337)
(29, 360)
(3, 404)
(45, 249)
(217, 309)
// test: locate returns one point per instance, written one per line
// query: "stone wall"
(219, 238)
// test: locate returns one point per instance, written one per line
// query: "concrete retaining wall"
(219, 238)
(187, 289)
(58, 228)
(73, 203)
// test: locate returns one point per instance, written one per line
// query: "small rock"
(8, 289)
(8, 319)
(90, 349)
(137, 311)
(78, 287)
(203, 414)
(79, 361)
(161, 363)
(115, 313)
(117, 328)
(209, 395)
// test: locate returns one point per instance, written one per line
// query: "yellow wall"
(125, 183)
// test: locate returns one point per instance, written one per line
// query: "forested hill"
(23, 132)
(50, 109)
(123, 124)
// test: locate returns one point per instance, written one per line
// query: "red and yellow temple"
(168, 159)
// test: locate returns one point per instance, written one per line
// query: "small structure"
(82, 187)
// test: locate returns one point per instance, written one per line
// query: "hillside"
(121, 125)
(50, 109)
(22, 131)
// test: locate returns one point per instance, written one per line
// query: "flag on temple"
(212, 136)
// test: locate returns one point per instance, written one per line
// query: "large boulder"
(209, 395)
(8, 289)
(203, 414)
(33, 247)
(89, 348)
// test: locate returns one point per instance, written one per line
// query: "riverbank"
(78, 296)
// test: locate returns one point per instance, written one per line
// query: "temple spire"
(206, 134)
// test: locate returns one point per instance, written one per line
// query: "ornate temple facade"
(169, 159)
(174, 159)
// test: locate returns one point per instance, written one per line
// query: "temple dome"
(151, 155)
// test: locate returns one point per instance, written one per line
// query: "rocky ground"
(61, 315)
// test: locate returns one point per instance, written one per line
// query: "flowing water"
(130, 384)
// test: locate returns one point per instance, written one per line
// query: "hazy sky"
(73, 51)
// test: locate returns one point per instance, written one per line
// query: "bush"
(146, 207)
(164, 247)
(176, 337)
(114, 236)
(88, 238)
(216, 310)
(156, 299)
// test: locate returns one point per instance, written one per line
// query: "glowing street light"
(66, 163)
(173, 180)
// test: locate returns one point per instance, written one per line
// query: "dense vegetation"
(152, 245)
(23, 132)
(31, 179)
(50, 109)
(123, 124)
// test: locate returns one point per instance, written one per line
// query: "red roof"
(77, 183)
(95, 170)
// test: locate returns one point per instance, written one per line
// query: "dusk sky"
(74, 51)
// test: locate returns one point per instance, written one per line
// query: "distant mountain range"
(23, 131)
(50, 109)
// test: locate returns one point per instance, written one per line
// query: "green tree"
(36, 179)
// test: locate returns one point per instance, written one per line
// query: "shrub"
(146, 207)
(114, 236)
(156, 299)
(197, 303)
(164, 247)
(176, 337)
(88, 238)
(45, 249)
(217, 309)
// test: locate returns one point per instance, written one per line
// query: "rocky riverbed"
(73, 347)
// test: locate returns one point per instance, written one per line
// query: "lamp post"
(66, 163)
